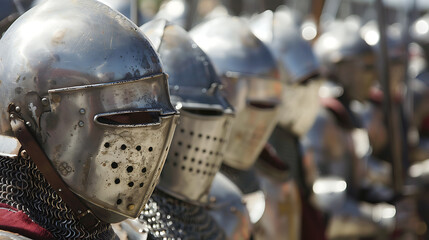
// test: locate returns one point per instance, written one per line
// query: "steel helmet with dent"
(199, 140)
(252, 84)
(92, 92)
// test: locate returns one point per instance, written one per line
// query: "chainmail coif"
(23, 187)
(170, 218)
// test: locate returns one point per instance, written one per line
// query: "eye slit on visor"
(263, 104)
(205, 112)
(128, 118)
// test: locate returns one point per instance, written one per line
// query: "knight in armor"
(86, 121)
(251, 78)
(337, 146)
(178, 207)
(280, 165)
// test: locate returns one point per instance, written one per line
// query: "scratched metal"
(196, 150)
(68, 65)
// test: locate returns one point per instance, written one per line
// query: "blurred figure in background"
(337, 143)
(280, 164)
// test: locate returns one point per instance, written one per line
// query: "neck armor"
(252, 84)
(167, 217)
(228, 208)
(23, 187)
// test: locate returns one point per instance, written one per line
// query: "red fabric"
(424, 127)
(312, 224)
(270, 157)
(16, 221)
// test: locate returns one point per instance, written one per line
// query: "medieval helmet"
(252, 84)
(91, 90)
(298, 64)
(196, 150)
(346, 58)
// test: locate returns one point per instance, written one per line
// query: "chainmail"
(23, 187)
(170, 218)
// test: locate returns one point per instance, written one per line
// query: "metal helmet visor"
(196, 154)
(300, 106)
(118, 135)
(256, 117)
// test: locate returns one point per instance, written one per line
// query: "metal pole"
(390, 113)
(190, 14)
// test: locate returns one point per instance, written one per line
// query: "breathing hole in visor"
(128, 118)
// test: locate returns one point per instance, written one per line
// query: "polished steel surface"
(81, 73)
(192, 79)
(280, 31)
(251, 81)
(233, 48)
(196, 151)
(121, 162)
(227, 208)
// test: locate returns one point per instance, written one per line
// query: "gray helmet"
(198, 144)
(251, 79)
(92, 91)
(298, 64)
(347, 58)
(280, 31)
